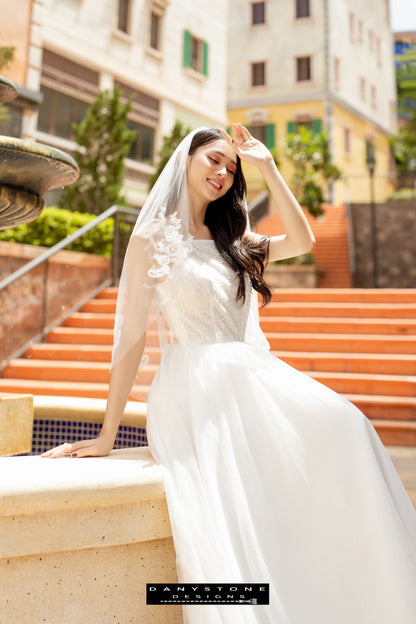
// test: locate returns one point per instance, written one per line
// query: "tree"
(404, 143)
(310, 155)
(104, 141)
(170, 143)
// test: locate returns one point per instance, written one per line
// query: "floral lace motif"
(170, 248)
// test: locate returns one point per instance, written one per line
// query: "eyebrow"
(222, 154)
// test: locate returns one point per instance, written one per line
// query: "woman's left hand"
(246, 146)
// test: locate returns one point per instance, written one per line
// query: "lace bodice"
(198, 298)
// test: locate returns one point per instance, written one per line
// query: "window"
(195, 53)
(258, 74)
(336, 72)
(378, 50)
(347, 142)
(313, 124)
(123, 22)
(303, 68)
(264, 133)
(302, 8)
(258, 13)
(58, 111)
(373, 96)
(363, 89)
(360, 31)
(142, 147)
(371, 38)
(155, 24)
(352, 26)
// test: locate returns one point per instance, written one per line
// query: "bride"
(270, 477)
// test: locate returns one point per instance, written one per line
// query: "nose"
(222, 170)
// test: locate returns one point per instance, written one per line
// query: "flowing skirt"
(271, 477)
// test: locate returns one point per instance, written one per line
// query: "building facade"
(170, 55)
(324, 64)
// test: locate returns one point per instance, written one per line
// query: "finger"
(229, 140)
(226, 136)
(246, 134)
(62, 449)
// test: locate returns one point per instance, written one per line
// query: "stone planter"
(291, 275)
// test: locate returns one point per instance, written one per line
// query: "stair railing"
(114, 212)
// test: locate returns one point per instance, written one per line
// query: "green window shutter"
(317, 126)
(291, 127)
(187, 42)
(270, 142)
(205, 58)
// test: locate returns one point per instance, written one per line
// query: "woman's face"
(211, 170)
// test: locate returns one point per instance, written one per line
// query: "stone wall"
(395, 244)
(70, 277)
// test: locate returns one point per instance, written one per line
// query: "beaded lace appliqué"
(170, 248)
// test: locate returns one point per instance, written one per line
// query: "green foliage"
(404, 142)
(54, 224)
(303, 259)
(170, 143)
(403, 194)
(6, 55)
(406, 80)
(104, 141)
(309, 153)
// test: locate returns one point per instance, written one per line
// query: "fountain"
(27, 171)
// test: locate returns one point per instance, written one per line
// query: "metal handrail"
(44, 258)
(114, 210)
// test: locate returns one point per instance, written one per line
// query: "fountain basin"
(27, 171)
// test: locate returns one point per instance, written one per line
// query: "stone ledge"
(82, 537)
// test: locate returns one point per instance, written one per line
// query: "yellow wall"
(354, 167)
(355, 183)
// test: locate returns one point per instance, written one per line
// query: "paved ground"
(404, 459)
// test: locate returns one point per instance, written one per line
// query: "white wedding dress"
(271, 477)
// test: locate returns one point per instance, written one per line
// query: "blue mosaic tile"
(50, 433)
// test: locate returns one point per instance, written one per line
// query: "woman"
(270, 477)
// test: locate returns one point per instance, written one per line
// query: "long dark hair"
(226, 218)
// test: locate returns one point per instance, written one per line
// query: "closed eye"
(213, 160)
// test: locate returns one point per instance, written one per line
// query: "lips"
(217, 185)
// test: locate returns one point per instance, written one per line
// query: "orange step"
(84, 372)
(368, 384)
(64, 388)
(339, 326)
(378, 363)
(342, 343)
(332, 310)
(79, 352)
(334, 295)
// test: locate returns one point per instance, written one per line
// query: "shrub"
(54, 224)
(306, 258)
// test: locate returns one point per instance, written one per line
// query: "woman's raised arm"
(298, 238)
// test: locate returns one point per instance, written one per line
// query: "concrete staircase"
(361, 343)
